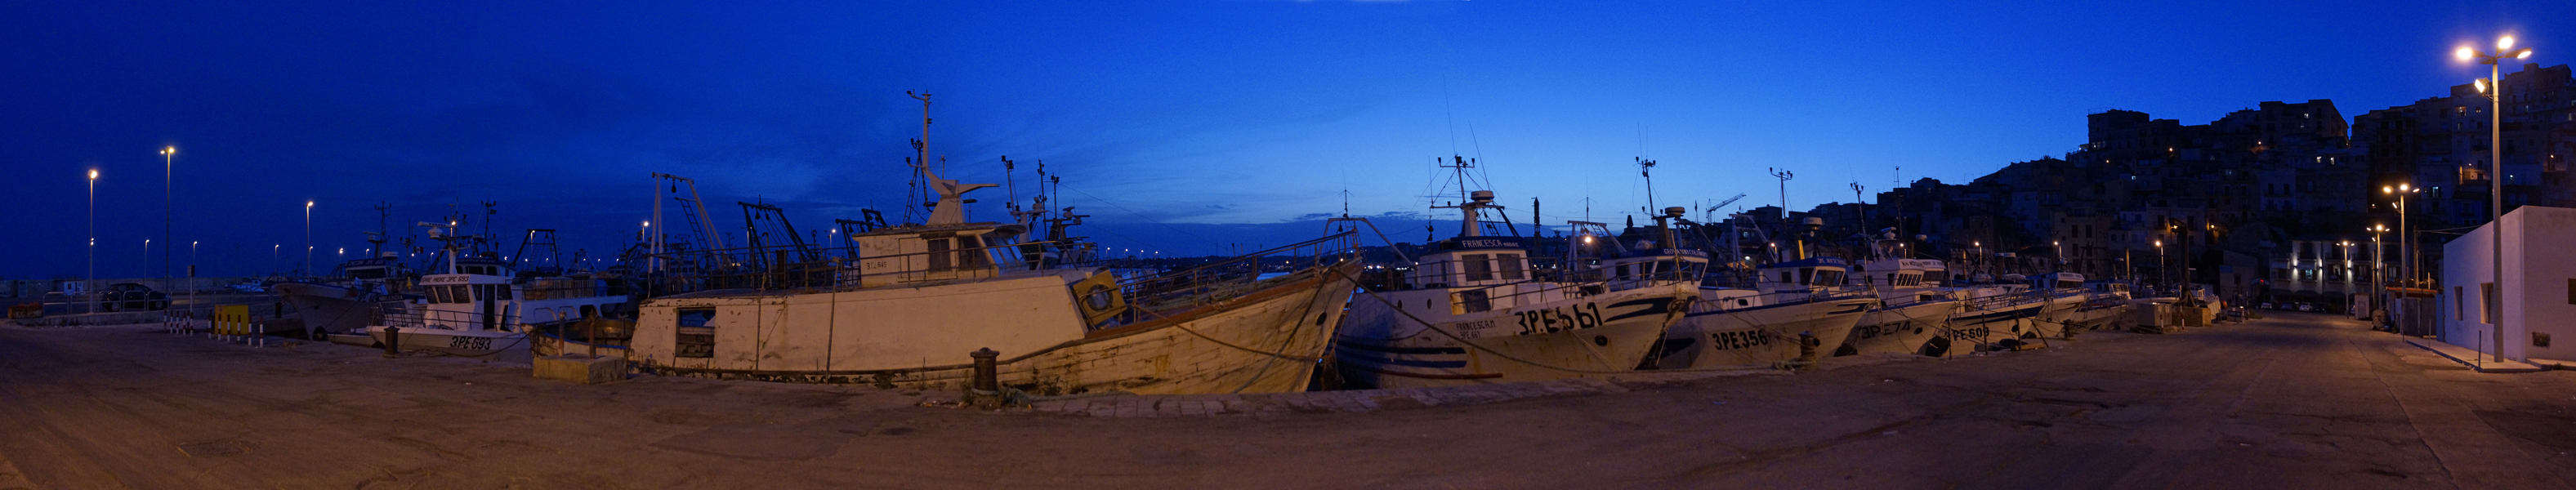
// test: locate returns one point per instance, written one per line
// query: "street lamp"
(2406, 248)
(93, 234)
(308, 237)
(2162, 275)
(147, 256)
(2494, 303)
(168, 154)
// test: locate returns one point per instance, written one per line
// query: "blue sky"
(1180, 125)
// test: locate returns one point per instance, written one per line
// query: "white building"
(2540, 286)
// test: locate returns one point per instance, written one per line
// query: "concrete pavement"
(2292, 401)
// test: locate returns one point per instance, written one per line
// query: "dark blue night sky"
(1180, 125)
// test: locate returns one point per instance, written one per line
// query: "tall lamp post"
(2164, 277)
(308, 237)
(2378, 277)
(93, 239)
(2494, 302)
(2406, 247)
(168, 153)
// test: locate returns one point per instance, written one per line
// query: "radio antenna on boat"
(921, 156)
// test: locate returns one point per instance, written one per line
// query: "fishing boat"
(1912, 310)
(1989, 315)
(2064, 297)
(1792, 300)
(919, 299)
(1476, 310)
(364, 289)
(479, 307)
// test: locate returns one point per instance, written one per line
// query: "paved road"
(2297, 401)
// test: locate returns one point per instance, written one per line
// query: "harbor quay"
(2291, 400)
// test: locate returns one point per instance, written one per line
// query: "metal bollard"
(987, 376)
(393, 341)
(1807, 349)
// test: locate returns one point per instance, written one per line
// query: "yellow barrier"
(232, 319)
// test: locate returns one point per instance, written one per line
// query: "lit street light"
(308, 238)
(168, 153)
(2493, 302)
(93, 235)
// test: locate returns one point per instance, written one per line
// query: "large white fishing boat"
(1475, 311)
(1988, 315)
(479, 308)
(919, 299)
(1912, 309)
(1763, 326)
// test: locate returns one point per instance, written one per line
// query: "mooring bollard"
(987, 376)
(1807, 349)
(393, 341)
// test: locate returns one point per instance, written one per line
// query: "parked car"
(127, 296)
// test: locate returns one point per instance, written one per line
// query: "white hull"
(1577, 336)
(1984, 322)
(1901, 328)
(1712, 336)
(329, 308)
(2056, 314)
(457, 342)
(1266, 340)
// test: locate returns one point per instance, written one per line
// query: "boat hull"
(2056, 314)
(1267, 340)
(1712, 337)
(1984, 322)
(1901, 329)
(1587, 336)
(330, 308)
(472, 343)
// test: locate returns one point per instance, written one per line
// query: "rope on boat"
(1445, 333)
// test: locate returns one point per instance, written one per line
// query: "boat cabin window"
(1827, 277)
(695, 337)
(939, 254)
(367, 273)
(1477, 268)
(449, 294)
(1511, 266)
(1473, 300)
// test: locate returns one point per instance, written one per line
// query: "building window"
(2458, 311)
(2487, 303)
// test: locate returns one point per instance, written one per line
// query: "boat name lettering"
(1474, 329)
(1739, 339)
(470, 343)
(1539, 321)
(1978, 334)
(1485, 243)
(444, 279)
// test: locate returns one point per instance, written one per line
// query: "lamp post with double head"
(2493, 87)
